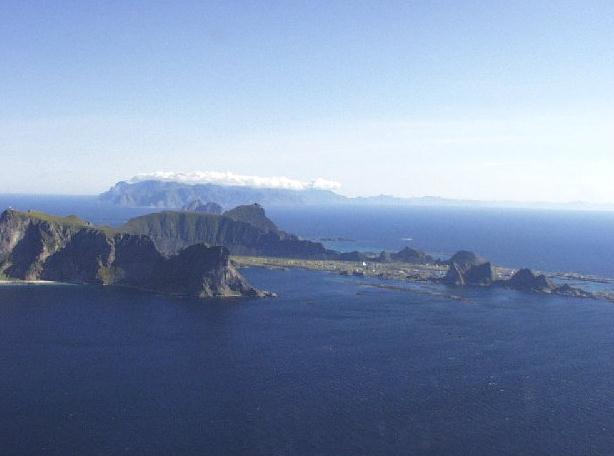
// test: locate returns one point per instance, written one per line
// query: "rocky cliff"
(39, 246)
(466, 269)
(198, 206)
(244, 231)
(254, 215)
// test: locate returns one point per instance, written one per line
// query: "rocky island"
(254, 240)
(244, 230)
(189, 253)
(198, 206)
(38, 246)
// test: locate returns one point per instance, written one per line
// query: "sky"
(493, 100)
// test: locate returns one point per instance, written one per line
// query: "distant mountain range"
(176, 195)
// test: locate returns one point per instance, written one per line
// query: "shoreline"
(407, 272)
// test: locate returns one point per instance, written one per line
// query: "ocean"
(551, 241)
(335, 365)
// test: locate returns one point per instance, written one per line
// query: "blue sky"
(466, 99)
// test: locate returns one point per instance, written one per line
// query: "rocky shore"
(35, 246)
(464, 269)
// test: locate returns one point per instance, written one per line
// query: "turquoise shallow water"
(332, 366)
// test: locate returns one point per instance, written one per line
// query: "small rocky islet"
(188, 253)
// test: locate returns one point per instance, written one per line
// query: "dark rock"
(173, 231)
(413, 256)
(482, 275)
(254, 215)
(39, 246)
(465, 258)
(567, 290)
(469, 269)
(201, 271)
(525, 279)
(207, 208)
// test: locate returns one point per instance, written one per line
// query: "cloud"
(228, 178)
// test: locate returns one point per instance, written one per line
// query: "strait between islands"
(188, 253)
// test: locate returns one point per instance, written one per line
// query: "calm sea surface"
(334, 366)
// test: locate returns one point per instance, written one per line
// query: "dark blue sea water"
(333, 366)
(546, 240)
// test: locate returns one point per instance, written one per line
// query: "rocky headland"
(244, 230)
(38, 246)
(198, 206)
(189, 253)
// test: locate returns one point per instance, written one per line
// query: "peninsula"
(39, 246)
(254, 240)
(189, 253)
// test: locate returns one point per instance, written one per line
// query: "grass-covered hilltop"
(38, 246)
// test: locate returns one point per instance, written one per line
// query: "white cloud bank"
(228, 178)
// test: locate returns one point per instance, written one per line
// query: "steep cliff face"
(466, 269)
(172, 231)
(208, 208)
(525, 279)
(37, 246)
(254, 215)
(203, 271)
(480, 275)
(27, 240)
(469, 269)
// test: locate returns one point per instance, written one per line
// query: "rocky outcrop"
(527, 280)
(27, 241)
(201, 271)
(208, 208)
(39, 246)
(482, 275)
(465, 258)
(468, 269)
(172, 231)
(413, 256)
(254, 215)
